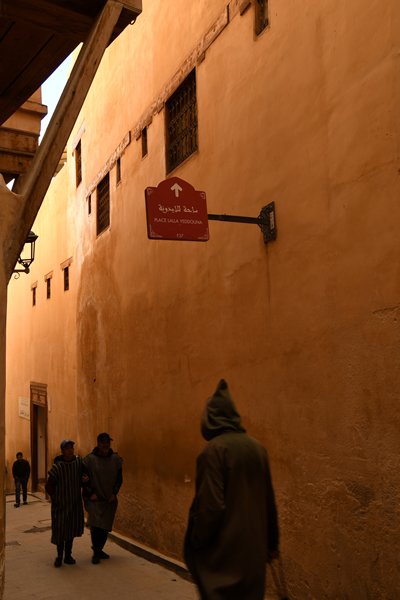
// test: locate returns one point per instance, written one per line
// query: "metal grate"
(181, 116)
(103, 204)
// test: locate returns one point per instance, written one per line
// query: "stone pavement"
(30, 574)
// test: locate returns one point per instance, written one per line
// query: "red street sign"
(176, 211)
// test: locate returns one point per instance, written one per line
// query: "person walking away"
(233, 526)
(104, 468)
(64, 486)
(21, 471)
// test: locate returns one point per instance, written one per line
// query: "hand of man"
(93, 496)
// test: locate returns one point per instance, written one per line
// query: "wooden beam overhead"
(37, 181)
(37, 35)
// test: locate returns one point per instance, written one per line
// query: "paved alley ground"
(30, 574)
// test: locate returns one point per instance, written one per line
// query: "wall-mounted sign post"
(176, 211)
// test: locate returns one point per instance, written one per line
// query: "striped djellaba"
(67, 519)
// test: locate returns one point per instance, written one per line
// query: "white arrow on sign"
(177, 189)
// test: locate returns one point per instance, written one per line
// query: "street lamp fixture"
(28, 258)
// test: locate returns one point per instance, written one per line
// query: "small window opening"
(89, 204)
(261, 17)
(78, 163)
(66, 279)
(118, 170)
(34, 296)
(144, 142)
(48, 288)
(103, 204)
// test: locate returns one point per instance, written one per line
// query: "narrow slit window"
(118, 170)
(144, 142)
(78, 163)
(48, 288)
(181, 122)
(66, 279)
(34, 296)
(103, 204)
(261, 17)
(89, 204)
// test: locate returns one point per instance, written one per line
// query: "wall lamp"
(26, 260)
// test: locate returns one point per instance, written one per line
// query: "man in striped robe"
(64, 485)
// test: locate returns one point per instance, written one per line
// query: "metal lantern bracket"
(26, 262)
(266, 221)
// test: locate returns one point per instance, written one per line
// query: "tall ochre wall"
(304, 329)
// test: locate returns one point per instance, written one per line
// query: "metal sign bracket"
(265, 220)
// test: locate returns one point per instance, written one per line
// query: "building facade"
(250, 102)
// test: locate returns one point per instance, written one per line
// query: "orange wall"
(305, 329)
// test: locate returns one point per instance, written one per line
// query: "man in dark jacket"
(104, 468)
(233, 527)
(21, 470)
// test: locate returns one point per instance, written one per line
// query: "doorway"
(38, 436)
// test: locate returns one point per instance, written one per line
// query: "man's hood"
(220, 414)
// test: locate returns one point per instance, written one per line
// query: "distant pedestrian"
(64, 485)
(233, 527)
(104, 468)
(21, 470)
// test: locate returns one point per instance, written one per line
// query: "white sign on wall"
(24, 408)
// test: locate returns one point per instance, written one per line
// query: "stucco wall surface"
(305, 330)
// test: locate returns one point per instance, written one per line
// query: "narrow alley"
(30, 574)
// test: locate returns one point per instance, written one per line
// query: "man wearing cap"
(104, 468)
(233, 527)
(64, 485)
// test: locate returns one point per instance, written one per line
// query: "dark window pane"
(66, 279)
(78, 163)
(144, 142)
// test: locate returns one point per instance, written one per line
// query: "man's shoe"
(25, 502)
(16, 505)
(95, 559)
(58, 562)
(103, 555)
(69, 560)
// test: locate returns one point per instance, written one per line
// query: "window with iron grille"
(78, 163)
(261, 21)
(181, 122)
(103, 204)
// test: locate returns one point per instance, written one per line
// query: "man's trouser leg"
(99, 538)
(17, 490)
(24, 483)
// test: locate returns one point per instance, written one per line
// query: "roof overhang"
(37, 35)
